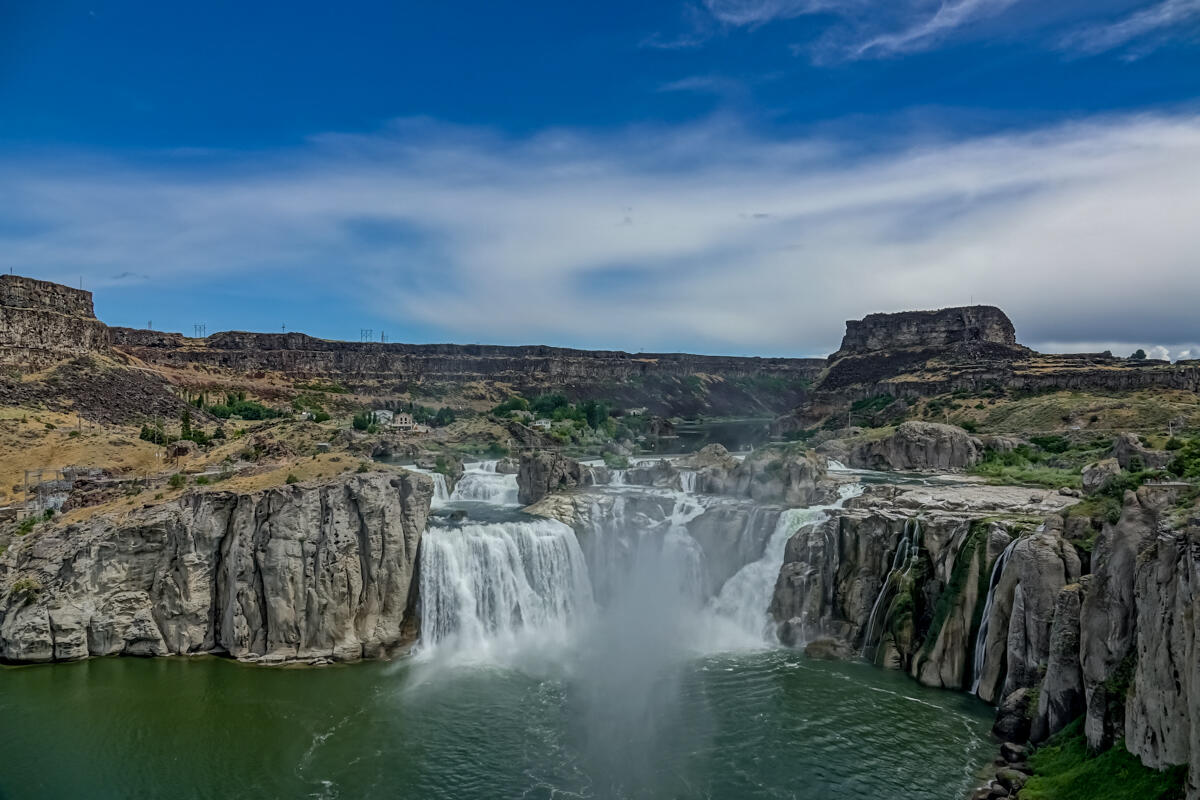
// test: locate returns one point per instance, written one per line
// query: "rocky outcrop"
(1017, 647)
(308, 572)
(913, 446)
(1061, 698)
(944, 328)
(663, 383)
(1097, 475)
(903, 590)
(42, 323)
(1132, 455)
(778, 474)
(542, 472)
(1108, 617)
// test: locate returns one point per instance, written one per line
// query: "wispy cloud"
(928, 31)
(1164, 17)
(758, 12)
(702, 236)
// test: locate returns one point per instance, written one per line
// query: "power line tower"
(366, 334)
(383, 337)
(201, 330)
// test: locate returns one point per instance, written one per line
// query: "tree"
(1139, 355)
(185, 424)
(443, 417)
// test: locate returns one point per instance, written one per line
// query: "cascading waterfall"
(687, 481)
(486, 486)
(981, 637)
(905, 557)
(485, 582)
(746, 597)
(441, 491)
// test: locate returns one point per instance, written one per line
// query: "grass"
(1031, 474)
(1064, 770)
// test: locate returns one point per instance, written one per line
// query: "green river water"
(767, 724)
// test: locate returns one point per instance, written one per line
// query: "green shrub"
(1065, 770)
(496, 450)
(202, 480)
(28, 587)
(362, 467)
(291, 478)
(616, 461)
(321, 416)
(176, 481)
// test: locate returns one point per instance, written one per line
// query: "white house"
(542, 424)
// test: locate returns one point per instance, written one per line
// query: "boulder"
(541, 472)
(508, 466)
(1012, 717)
(1097, 475)
(829, 649)
(918, 446)
(1132, 455)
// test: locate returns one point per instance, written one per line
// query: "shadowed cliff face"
(309, 572)
(945, 328)
(664, 383)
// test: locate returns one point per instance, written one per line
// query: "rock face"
(786, 475)
(663, 383)
(42, 323)
(1132, 455)
(901, 590)
(1096, 475)
(1061, 699)
(309, 572)
(1023, 603)
(542, 472)
(947, 327)
(914, 446)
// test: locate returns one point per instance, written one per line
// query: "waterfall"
(907, 550)
(441, 492)
(745, 598)
(482, 486)
(687, 481)
(485, 584)
(981, 637)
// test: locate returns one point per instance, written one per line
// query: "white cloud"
(758, 12)
(1163, 17)
(928, 31)
(701, 237)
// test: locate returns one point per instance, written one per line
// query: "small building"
(636, 412)
(542, 424)
(383, 417)
(402, 422)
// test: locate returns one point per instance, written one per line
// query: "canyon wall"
(307, 572)
(966, 600)
(42, 323)
(946, 327)
(662, 382)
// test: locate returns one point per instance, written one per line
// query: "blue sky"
(732, 176)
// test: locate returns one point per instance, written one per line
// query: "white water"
(907, 550)
(441, 493)
(981, 638)
(484, 586)
(745, 598)
(486, 486)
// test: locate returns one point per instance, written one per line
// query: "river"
(637, 663)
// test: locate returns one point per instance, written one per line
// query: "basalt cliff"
(311, 572)
(970, 350)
